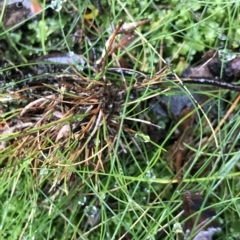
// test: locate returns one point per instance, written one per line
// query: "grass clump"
(86, 150)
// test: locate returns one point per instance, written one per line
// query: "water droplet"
(150, 174)
(222, 37)
(82, 201)
(43, 171)
(91, 210)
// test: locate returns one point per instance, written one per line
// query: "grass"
(85, 164)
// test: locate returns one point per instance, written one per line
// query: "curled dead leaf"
(64, 132)
(200, 225)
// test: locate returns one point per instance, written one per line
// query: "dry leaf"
(193, 203)
(64, 132)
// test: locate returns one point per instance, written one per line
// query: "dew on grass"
(222, 37)
(82, 201)
(91, 211)
(150, 174)
(93, 215)
(43, 171)
(147, 190)
(226, 56)
(57, 5)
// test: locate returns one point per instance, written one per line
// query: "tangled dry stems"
(68, 122)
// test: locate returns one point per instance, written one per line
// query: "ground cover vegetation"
(119, 119)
